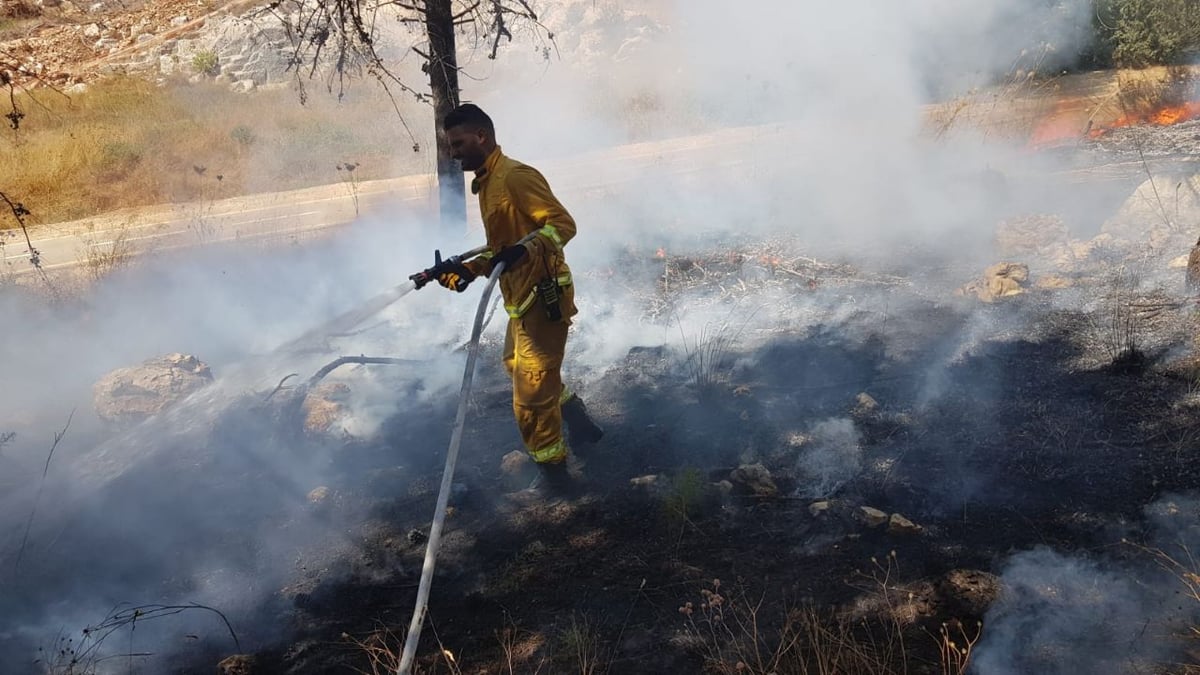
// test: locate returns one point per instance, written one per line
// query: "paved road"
(301, 213)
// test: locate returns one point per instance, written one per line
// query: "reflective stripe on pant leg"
(509, 357)
(551, 454)
(538, 346)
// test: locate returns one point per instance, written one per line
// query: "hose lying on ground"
(443, 499)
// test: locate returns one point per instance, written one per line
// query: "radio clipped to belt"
(548, 290)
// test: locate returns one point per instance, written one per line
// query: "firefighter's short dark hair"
(469, 115)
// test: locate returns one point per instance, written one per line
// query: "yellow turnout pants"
(533, 357)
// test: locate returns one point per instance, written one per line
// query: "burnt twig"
(58, 436)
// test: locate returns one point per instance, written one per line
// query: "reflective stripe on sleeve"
(551, 232)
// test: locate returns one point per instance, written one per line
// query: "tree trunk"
(443, 82)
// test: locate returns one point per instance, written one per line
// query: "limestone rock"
(1158, 206)
(324, 406)
(1001, 280)
(898, 524)
(865, 404)
(515, 462)
(127, 396)
(648, 481)
(754, 479)
(238, 664)
(871, 517)
(517, 470)
(1192, 277)
(968, 592)
(818, 509)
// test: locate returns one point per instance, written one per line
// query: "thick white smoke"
(819, 112)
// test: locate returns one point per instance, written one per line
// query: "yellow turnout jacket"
(515, 200)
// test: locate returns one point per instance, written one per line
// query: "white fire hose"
(443, 499)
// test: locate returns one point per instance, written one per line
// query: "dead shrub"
(735, 637)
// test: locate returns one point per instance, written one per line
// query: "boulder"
(864, 405)
(1157, 207)
(238, 664)
(324, 406)
(754, 479)
(1001, 280)
(898, 524)
(127, 396)
(968, 593)
(871, 517)
(1192, 265)
(517, 469)
(647, 482)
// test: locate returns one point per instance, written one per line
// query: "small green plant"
(117, 160)
(685, 494)
(244, 136)
(206, 62)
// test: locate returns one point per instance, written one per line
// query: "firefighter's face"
(468, 146)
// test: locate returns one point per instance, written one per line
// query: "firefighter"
(514, 201)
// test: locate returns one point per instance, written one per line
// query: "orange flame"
(660, 253)
(1162, 117)
(1066, 125)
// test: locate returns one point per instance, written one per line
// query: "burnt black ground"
(1012, 443)
(997, 428)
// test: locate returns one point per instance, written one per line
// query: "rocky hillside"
(61, 43)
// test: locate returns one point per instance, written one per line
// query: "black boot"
(581, 430)
(554, 482)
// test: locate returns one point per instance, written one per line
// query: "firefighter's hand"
(456, 277)
(511, 256)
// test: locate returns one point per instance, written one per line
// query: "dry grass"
(735, 637)
(581, 641)
(126, 143)
(102, 256)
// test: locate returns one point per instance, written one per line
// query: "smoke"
(1059, 613)
(1062, 615)
(207, 502)
(833, 456)
(813, 113)
(834, 94)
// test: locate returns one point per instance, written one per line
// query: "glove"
(510, 256)
(456, 277)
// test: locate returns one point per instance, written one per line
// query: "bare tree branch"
(337, 41)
